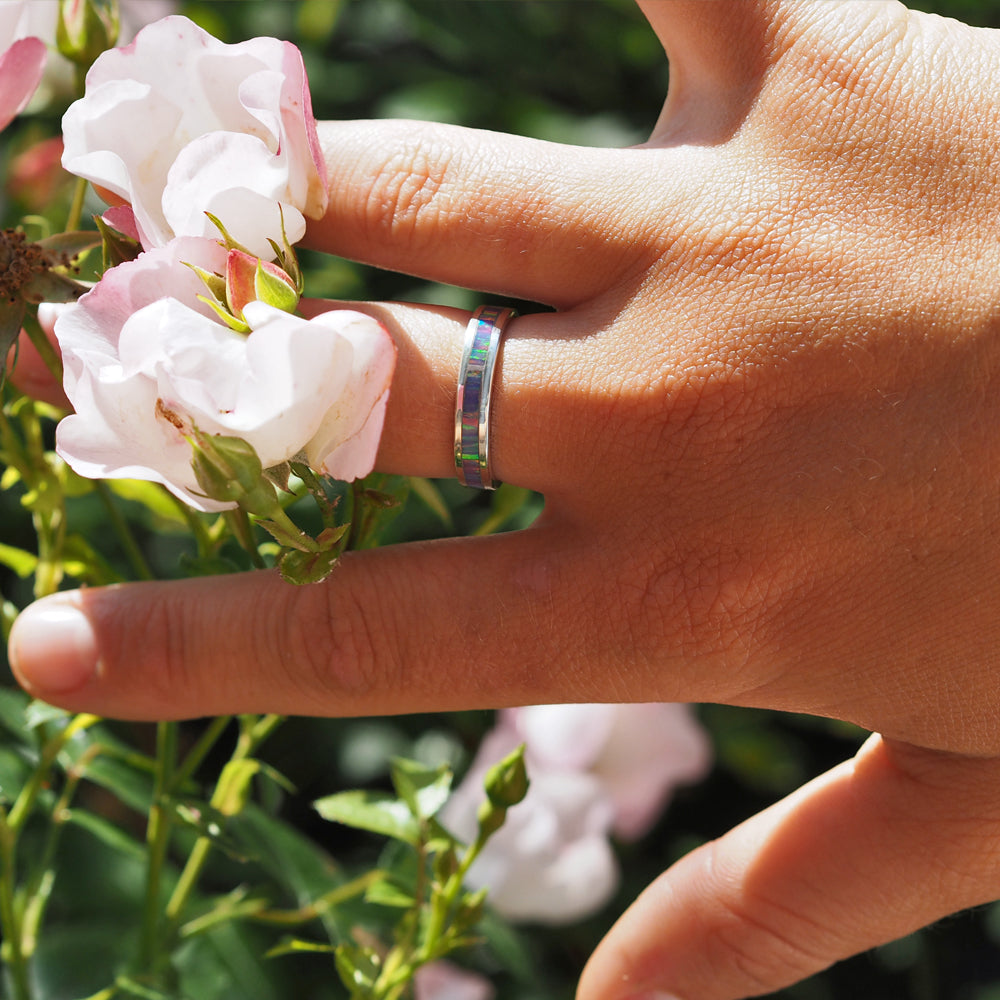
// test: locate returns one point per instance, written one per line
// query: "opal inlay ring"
(472, 406)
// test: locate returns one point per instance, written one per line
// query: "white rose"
(178, 123)
(144, 361)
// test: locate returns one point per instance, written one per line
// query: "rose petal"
(21, 68)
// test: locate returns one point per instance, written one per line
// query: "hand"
(765, 419)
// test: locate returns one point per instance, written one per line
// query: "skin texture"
(765, 419)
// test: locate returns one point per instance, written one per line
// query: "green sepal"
(11, 317)
(233, 322)
(116, 247)
(271, 289)
(71, 245)
(227, 241)
(300, 567)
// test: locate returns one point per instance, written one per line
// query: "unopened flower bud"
(86, 28)
(228, 470)
(507, 780)
(249, 279)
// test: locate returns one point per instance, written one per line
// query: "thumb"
(870, 851)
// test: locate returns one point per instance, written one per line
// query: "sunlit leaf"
(424, 789)
(377, 812)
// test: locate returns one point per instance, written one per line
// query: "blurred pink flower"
(144, 359)
(594, 770)
(178, 123)
(22, 57)
(639, 753)
(444, 981)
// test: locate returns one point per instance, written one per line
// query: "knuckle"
(339, 652)
(172, 678)
(763, 940)
(408, 193)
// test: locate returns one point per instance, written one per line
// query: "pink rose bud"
(249, 279)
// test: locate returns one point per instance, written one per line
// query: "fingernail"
(655, 996)
(52, 647)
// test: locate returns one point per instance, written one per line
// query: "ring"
(472, 406)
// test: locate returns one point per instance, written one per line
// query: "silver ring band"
(472, 405)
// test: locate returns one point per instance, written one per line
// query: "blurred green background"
(578, 71)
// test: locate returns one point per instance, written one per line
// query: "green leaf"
(21, 562)
(300, 567)
(386, 893)
(83, 562)
(110, 835)
(13, 705)
(71, 244)
(357, 967)
(296, 946)
(123, 772)
(11, 318)
(431, 496)
(424, 789)
(38, 713)
(131, 988)
(376, 812)
(299, 865)
(507, 502)
(152, 496)
(14, 773)
(233, 788)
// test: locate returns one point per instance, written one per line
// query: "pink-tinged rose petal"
(346, 442)
(595, 770)
(179, 123)
(241, 280)
(444, 981)
(21, 68)
(145, 361)
(122, 219)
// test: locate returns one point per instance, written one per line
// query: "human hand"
(763, 418)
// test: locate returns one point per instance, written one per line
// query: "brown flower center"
(19, 262)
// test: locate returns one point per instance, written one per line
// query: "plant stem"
(76, 208)
(252, 734)
(158, 840)
(13, 954)
(239, 521)
(199, 751)
(195, 525)
(121, 528)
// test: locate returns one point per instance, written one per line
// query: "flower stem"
(76, 208)
(199, 751)
(121, 528)
(252, 734)
(158, 840)
(14, 959)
